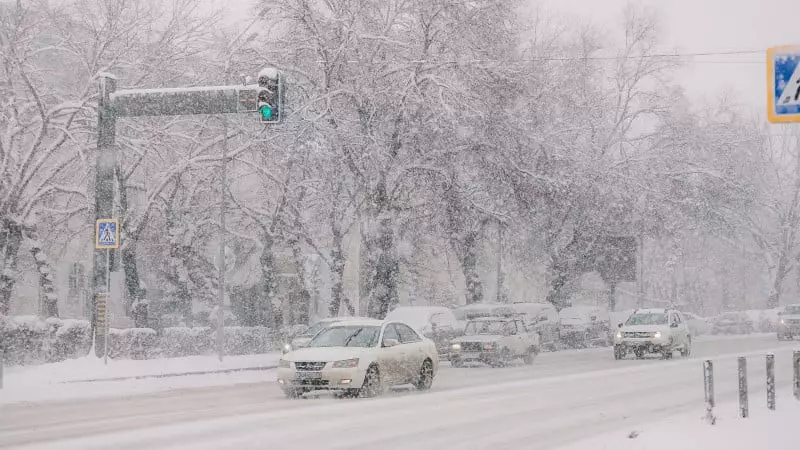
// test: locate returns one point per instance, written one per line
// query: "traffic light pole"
(115, 104)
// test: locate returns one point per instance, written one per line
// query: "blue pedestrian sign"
(783, 84)
(106, 234)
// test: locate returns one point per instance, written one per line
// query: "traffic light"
(270, 96)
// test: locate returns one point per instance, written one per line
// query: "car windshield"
(314, 329)
(647, 319)
(486, 327)
(793, 309)
(347, 336)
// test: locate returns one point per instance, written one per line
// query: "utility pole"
(499, 262)
(222, 236)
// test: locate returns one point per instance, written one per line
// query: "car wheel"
(425, 380)
(686, 351)
(587, 339)
(504, 359)
(372, 383)
(781, 337)
(617, 352)
(528, 357)
(639, 353)
(666, 353)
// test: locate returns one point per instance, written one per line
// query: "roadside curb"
(169, 375)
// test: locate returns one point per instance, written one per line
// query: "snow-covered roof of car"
(359, 321)
(651, 311)
(490, 318)
(343, 319)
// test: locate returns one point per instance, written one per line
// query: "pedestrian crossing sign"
(783, 84)
(106, 234)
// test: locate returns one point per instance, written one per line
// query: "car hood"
(300, 341)
(645, 328)
(478, 338)
(326, 354)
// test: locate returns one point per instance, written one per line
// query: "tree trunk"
(45, 271)
(385, 296)
(304, 307)
(135, 305)
(337, 274)
(7, 277)
(469, 265)
(264, 311)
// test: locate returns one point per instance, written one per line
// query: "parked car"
(697, 325)
(661, 331)
(541, 318)
(302, 338)
(581, 326)
(495, 341)
(789, 322)
(359, 358)
(436, 323)
(733, 322)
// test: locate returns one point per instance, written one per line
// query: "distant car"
(789, 322)
(495, 341)
(304, 337)
(733, 322)
(436, 323)
(697, 325)
(541, 318)
(654, 330)
(359, 358)
(581, 326)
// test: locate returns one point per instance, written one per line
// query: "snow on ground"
(70, 378)
(773, 430)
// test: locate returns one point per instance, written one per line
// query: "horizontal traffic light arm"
(185, 101)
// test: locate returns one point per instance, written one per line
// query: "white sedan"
(360, 358)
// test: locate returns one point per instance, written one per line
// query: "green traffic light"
(266, 112)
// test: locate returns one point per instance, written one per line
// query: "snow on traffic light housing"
(270, 95)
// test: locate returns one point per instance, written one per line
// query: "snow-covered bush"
(132, 343)
(184, 341)
(31, 340)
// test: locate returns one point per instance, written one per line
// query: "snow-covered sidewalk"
(90, 376)
(764, 429)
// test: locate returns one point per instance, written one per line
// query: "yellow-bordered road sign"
(106, 234)
(783, 84)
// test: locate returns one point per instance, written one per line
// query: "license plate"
(308, 375)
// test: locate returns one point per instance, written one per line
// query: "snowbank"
(90, 377)
(773, 430)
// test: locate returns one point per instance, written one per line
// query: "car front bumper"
(329, 379)
(643, 345)
(789, 329)
(486, 356)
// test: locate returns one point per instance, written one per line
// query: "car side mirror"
(390, 342)
(673, 325)
(619, 325)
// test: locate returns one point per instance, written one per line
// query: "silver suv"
(659, 331)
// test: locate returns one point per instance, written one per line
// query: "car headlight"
(619, 335)
(783, 322)
(346, 363)
(284, 364)
(657, 335)
(455, 347)
(287, 348)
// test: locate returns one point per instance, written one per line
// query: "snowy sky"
(688, 26)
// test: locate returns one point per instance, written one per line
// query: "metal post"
(771, 382)
(744, 410)
(1, 371)
(796, 377)
(104, 194)
(222, 233)
(499, 262)
(708, 385)
(108, 297)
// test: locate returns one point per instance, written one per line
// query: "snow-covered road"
(563, 397)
